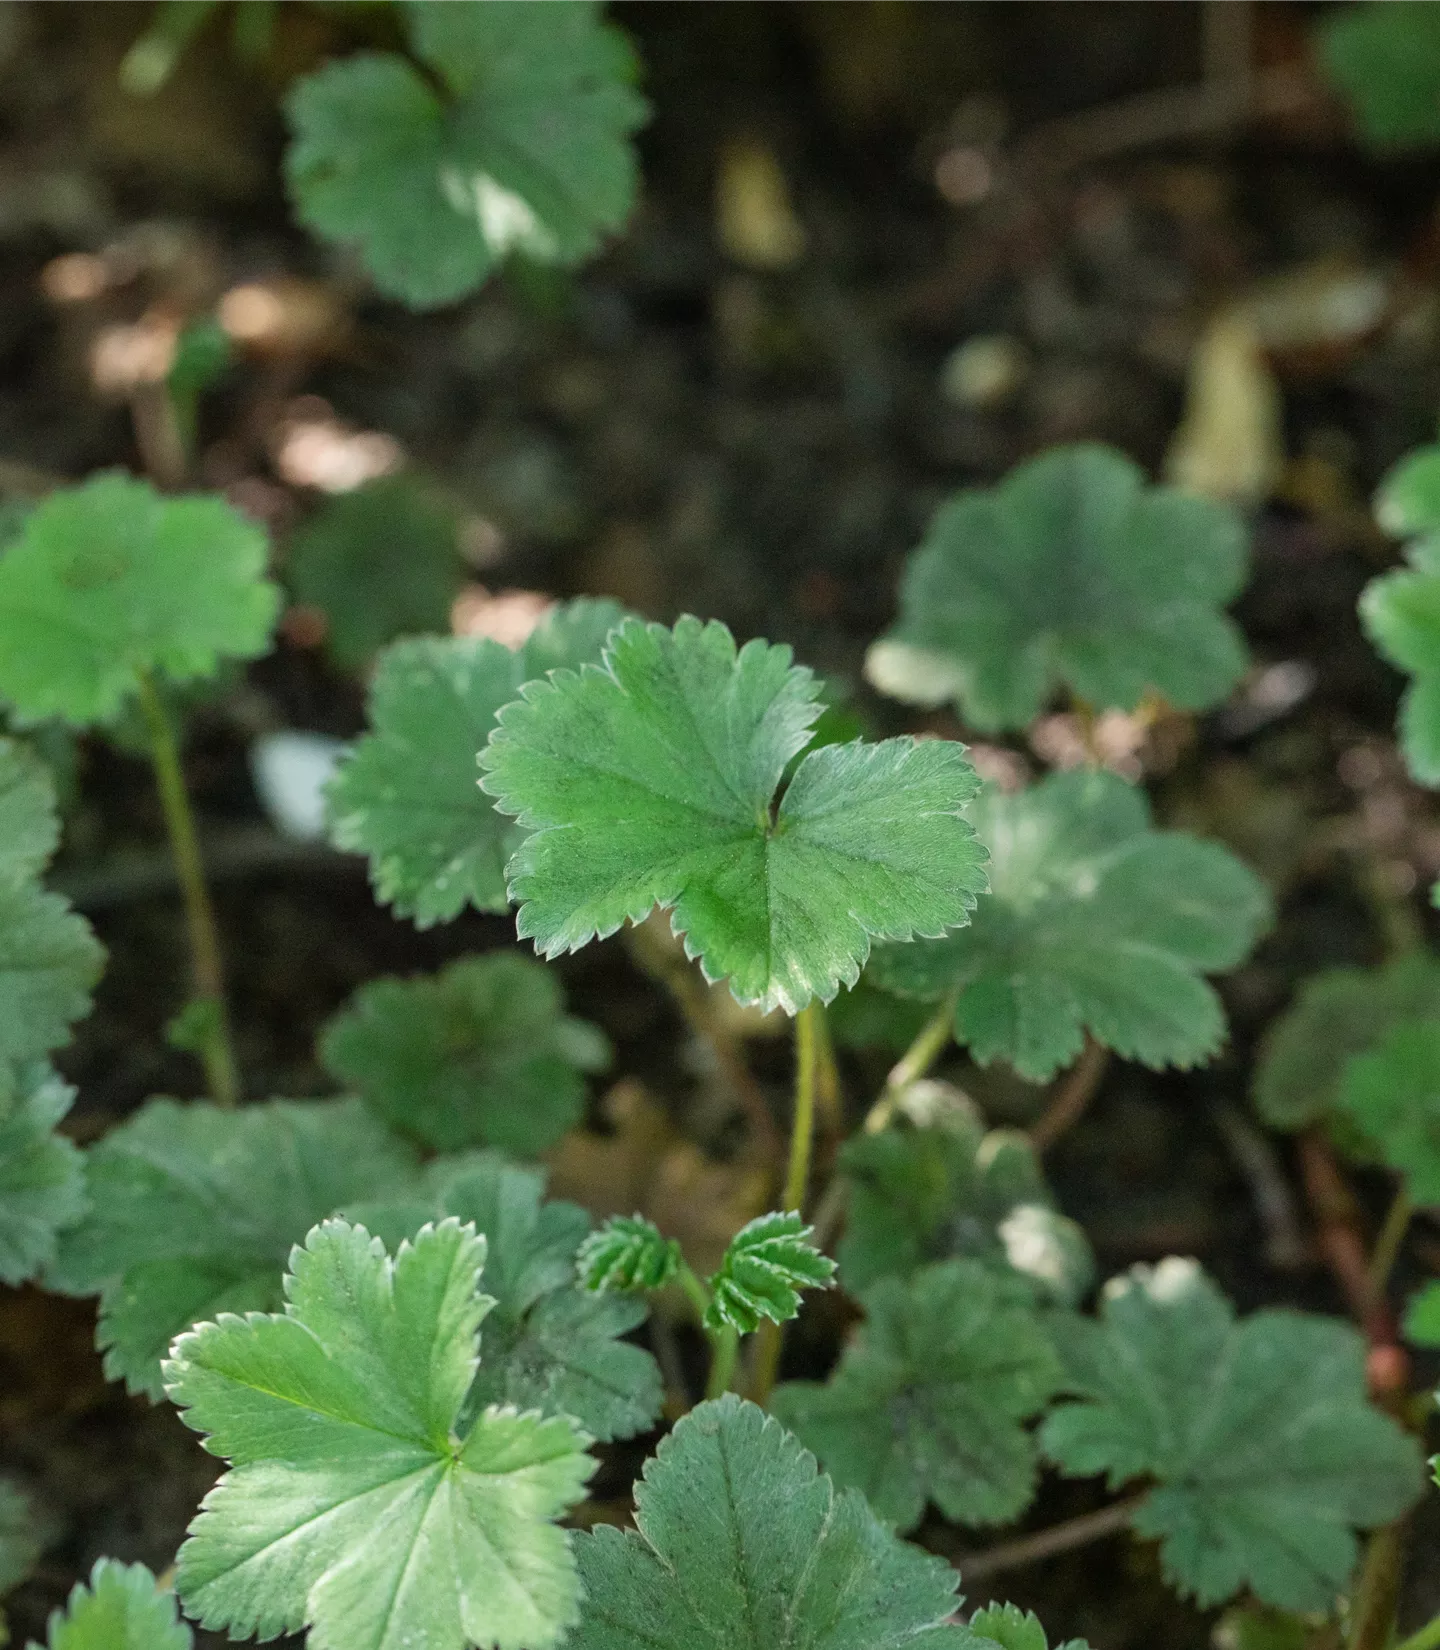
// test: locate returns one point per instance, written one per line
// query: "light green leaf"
(481, 1053)
(379, 562)
(19, 1547)
(652, 782)
(122, 1608)
(1096, 922)
(1401, 615)
(1407, 501)
(922, 1195)
(1336, 1015)
(1071, 572)
(407, 795)
(1265, 1453)
(352, 1506)
(627, 1253)
(741, 1543)
(1393, 1096)
(516, 142)
(1422, 1316)
(29, 827)
(194, 1210)
(1386, 61)
(42, 1179)
(49, 961)
(766, 1265)
(109, 579)
(929, 1399)
(1010, 1628)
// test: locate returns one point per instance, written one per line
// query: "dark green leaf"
(1393, 1096)
(42, 1179)
(1386, 60)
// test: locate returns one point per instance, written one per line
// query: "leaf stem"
(1428, 1638)
(206, 966)
(695, 1291)
(1377, 1592)
(802, 1126)
(725, 1349)
(1387, 1246)
(1059, 1538)
(1070, 1096)
(931, 1042)
(829, 1101)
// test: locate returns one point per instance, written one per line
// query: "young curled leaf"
(768, 1263)
(122, 1608)
(627, 1253)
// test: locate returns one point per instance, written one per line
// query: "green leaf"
(741, 1543)
(109, 579)
(627, 1253)
(19, 1546)
(1422, 1316)
(766, 1265)
(517, 142)
(49, 961)
(928, 1194)
(407, 795)
(929, 1399)
(352, 1506)
(1264, 1451)
(194, 1210)
(1386, 61)
(652, 782)
(1071, 572)
(1393, 1095)
(481, 1053)
(42, 1179)
(1009, 1627)
(1097, 922)
(379, 562)
(1336, 1015)
(123, 1608)
(29, 827)
(1401, 615)
(1407, 501)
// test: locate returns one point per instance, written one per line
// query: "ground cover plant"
(450, 1406)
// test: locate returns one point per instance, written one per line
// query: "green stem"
(205, 963)
(827, 1078)
(1387, 1246)
(932, 1041)
(802, 1126)
(1377, 1592)
(1428, 1638)
(725, 1349)
(695, 1292)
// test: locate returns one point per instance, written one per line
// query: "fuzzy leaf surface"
(652, 782)
(29, 826)
(929, 1399)
(407, 794)
(1265, 1452)
(767, 1263)
(109, 579)
(42, 1176)
(1337, 1015)
(1008, 1627)
(121, 1608)
(953, 1190)
(743, 1545)
(481, 1053)
(193, 1211)
(352, 1506)
(1071, 572)
(525, 150)
(49, 961)
(1393, 1095)
(1096, 922)
(627, 1253)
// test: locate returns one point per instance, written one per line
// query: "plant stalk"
(1387, 1246)
(1377, 1593)
(724, 1351)
(828, 1099)
(1071, 1095)
(1059, 1538)
(207, 969)
(932, 1041)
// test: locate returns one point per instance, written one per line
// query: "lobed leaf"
(481, 1053)
(652, 781)
(766, 1265)
(1096, 923)
(49, 962)
(122, 1608)
(1071, 572)
(627, 1253)
(42, 1178)
(1008, 1627)
(407, 796)
(740, 1542)
(110, 579)
(1393, 1095)
(929, 1399)
(29, 826)
(194, 1209)
(516, 141)
(1264, 1452)
(352, 1506)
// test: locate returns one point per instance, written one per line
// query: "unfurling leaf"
(653, 781)
(1096, 923)
(929, 1399)
(481, 1053)
(193, 1211)
(1071, 572)
(515, 140)
(42, 1178)
(1264, 1452)
(627, 1252)
(407, 794)
(109, 580)
(352, 1506)
(768, 1263)
(741, 1542)
(122, 1608)
(1393, 1096)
